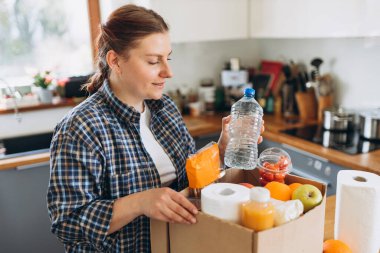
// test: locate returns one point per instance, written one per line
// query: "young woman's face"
(144, 72)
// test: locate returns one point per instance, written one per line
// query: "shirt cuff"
(95, 222)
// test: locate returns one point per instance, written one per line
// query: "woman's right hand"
(167, 205)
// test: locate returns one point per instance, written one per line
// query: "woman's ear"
(113, 61)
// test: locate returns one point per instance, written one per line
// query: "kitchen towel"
(357, 212)
(223, 200)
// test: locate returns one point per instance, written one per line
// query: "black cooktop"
(349, 142)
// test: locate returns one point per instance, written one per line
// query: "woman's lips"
(159, 84)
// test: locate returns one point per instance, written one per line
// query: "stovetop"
(349, 142)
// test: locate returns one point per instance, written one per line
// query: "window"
(38, 35)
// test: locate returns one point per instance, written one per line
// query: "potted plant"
(43, 80)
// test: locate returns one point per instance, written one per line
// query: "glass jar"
(273, 165)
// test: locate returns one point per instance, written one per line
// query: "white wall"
(192, 62)
(353, 62)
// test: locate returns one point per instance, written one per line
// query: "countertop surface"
(329, 218)
(212, 124)
(57, 102)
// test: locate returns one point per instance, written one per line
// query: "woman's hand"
(224, 138)
(160, 203)
(167, 205)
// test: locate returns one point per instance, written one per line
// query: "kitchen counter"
(329, 218)
(367, 162)
(57, 103)
(197, 126)
(204, 125)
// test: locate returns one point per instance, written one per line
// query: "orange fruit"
(294, 186)
(335, 246)
(279, 191)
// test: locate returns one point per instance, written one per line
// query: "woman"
(118, 158)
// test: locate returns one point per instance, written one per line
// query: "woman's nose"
(166, 71)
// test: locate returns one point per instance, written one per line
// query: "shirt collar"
(124, 111)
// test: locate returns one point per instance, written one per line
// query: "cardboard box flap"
(297, 236)
(160, 241)
(228, 236)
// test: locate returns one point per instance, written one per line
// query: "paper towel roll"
(223, 200)
(357, 213)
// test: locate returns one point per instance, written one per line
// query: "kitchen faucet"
(14, 94)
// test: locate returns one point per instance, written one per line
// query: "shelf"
(59, 102)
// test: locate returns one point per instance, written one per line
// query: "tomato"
(270, 166)
(268, 176)
(279, 176)
(263, 182)
(266, 164)
(283, 163)
(279, 180)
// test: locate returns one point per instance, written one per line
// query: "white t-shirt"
(162, 161)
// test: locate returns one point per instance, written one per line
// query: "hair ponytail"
(123, 29)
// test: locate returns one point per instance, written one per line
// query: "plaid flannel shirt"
(97, 156)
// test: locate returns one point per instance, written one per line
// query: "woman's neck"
(124, 96)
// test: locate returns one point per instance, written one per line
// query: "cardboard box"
(213, 235)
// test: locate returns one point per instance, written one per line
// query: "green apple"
(309, 195)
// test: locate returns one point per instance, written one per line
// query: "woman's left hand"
(224, 138)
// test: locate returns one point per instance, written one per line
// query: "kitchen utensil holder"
(307, 105)
(323, 103)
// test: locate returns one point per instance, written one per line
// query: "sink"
(25, 145)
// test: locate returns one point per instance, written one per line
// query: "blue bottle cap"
(249, 92)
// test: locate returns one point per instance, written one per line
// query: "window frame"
(94, 21)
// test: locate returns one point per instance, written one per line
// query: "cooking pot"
(337, 139)
(365, 145)
(338, 119)
(370, 124)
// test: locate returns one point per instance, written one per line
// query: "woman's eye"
(157, 62)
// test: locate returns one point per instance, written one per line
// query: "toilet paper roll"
(223, 200)
(357, 213)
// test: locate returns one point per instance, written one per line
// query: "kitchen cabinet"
(24, 220)
(208, 20)
(195, 20)
(314, 19)
(204, 20)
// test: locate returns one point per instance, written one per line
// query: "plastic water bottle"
(244, 132)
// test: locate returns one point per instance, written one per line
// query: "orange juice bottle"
(258, 213)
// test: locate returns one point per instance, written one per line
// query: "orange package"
(203, 168)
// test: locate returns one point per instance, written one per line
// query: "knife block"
(323, 103)
(307, 105)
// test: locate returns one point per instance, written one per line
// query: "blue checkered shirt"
(97, 156)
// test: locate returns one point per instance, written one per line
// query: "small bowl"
(273, 165)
